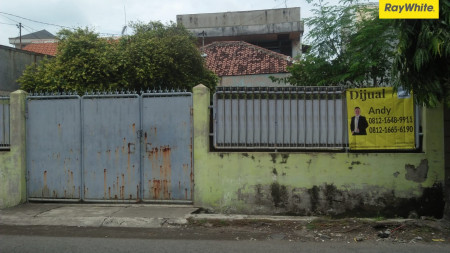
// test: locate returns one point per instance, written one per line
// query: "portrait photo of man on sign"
(358, 124)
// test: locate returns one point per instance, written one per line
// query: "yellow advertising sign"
(379, 118)
(409, 9)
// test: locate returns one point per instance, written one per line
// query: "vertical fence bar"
(260, 117)
(319, 95)
(5, 141)
(224, 118)
(231, 117)
(276, 118)
(238, 117)
(246, 117)
(327, 125)
(253, 116)
(304, 117)
(335, 119)
(268, 117)
(290, 117)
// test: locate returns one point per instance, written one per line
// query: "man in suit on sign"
(358, 123)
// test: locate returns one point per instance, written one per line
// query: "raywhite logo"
(409, 7)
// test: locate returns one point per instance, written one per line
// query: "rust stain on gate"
(45, 190)
(105, 183)
(115, 190)
(159, 186)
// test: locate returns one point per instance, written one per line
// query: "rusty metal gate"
(54, 147)
(167, 157)
(110, 147)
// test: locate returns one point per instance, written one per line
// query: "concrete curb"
(230, 217)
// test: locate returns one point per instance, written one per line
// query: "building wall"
(12, 64)
(327, 183)
(246, 18)
(13, 161)
(265, 28)
(251, 80)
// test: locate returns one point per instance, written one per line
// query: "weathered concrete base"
(327, 200)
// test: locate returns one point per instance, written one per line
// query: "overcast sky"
(108, 16)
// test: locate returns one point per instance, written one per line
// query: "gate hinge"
(139, 133)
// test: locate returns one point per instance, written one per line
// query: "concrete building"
(279, 30)
(42, 36)
(12, 64)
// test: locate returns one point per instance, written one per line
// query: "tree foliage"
(422, 62)
(349, 47)
(155, 56)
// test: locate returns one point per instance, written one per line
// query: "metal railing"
(4, 123)
(280, 118)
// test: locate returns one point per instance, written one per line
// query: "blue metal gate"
(54, 147)
(110, 147)
(167, 157)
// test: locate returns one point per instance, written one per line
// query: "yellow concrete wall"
(13, 161)
(328, 183)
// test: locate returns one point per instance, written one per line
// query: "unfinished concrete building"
(279, 30)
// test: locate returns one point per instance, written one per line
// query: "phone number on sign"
(388, 120)
(394, 129)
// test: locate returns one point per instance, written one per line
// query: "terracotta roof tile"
(42, 48)
(235, 58)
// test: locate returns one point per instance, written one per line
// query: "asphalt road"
(22, 244)
(68, 239)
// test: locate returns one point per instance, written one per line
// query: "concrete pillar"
(201, 101)
(296, 48)
(432, 127)
(13, 187)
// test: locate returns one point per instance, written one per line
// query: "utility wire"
(6, 23)
(66, 27)
(40, 22)
(45, 23)
(17, 22)
(9, 18)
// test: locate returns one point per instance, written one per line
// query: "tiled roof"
(42, 48)
(236, 58)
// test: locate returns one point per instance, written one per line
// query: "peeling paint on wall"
(417, 174)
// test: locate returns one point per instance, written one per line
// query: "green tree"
(84, 62)
(422, 61)
(350, 46)
(155, 56)
(165, 56)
